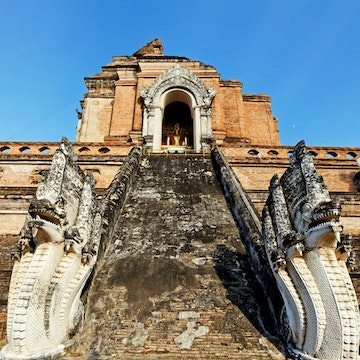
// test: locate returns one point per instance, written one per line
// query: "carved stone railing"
(114, 196)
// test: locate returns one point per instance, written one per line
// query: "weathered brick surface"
(123, 111)
(5, 273)
(228, 104)
(99, 108)
(258, 120)
(113, 106)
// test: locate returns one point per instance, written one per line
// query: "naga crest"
(54, 257)
(303, 242)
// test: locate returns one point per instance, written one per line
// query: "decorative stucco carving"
(301, 231)
(101, 86)
(56, 252)
(178, 77)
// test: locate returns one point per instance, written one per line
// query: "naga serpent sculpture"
(53, 259)
(301, 232)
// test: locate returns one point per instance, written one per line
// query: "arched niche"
(178, 128)
(177, 85)
(177, 122)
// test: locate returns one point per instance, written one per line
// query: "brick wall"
(5, 273)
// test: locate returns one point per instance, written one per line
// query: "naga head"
(46, 211)
(313, 213)
(46, 220)
(57, 198)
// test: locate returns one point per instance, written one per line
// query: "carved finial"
(299, 150)
(67, 148)
(153, 48)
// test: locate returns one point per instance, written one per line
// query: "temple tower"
(171, 103)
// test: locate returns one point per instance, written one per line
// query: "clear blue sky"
(304, 54)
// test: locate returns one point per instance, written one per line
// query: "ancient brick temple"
(160, 251)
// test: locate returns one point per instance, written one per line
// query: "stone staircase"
(156, 292)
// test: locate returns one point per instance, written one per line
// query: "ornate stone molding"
(101, 86)
(178, 77)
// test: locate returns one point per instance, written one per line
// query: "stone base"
(46, 354)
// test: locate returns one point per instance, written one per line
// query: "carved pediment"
(178, 77)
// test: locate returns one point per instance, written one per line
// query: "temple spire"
(153, 48)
